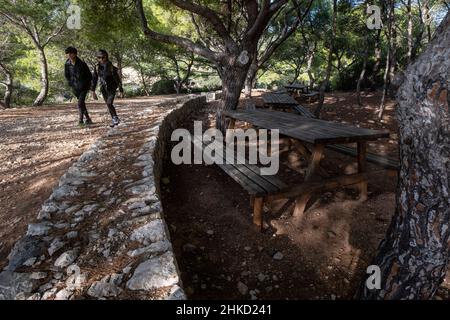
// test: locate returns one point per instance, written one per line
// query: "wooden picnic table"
(279, 100)
(311, 136)
(297, 87)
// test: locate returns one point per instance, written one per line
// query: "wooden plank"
(248, 184)
(303, 111)
(269, 183)
(326, 184)
(383, 161)
(308, 130)
(278, 99)
(271, 179)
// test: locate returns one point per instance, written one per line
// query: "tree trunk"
(144, 83)
(44, 78)
(119, 60)
(388, 72)
(376, 66)
(427, 17)
(325, 83)
(8, 86)
(233, 79)
(385, 84)
(250, 79)
(414, 257)
(309, 66)
(363, 69)
(410, 31)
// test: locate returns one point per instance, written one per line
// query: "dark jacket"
(108, 77)
(78, 76)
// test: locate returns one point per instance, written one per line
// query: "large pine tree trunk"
(44, 78)
(414, 256)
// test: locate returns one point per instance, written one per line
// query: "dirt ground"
(324, 254)
(37, 146)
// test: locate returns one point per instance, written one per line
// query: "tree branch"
(182, 42)
(55, 34)
(212, 17)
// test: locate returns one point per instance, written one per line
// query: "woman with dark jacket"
(109, 80)
(79, 78)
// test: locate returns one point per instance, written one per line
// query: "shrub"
(163, 87)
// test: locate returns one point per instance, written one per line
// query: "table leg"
(258, 212)
(302, 201)
(231, 126)
(362, 167)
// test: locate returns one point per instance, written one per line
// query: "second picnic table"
(297, 87)
(279, 100)
(315, 134)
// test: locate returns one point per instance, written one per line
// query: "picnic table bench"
(319, 134)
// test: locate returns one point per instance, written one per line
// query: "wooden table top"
(295, 86)
(278, 99)
(305, 129)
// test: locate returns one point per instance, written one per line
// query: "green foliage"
(163, 87)
(113, 25)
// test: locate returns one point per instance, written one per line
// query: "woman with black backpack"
(109, 80)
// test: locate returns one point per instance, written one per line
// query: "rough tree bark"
(8, 83)
(414, 256)
(326, 81)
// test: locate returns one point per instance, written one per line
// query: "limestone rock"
(154, 273)
(102, 289)
(66, 258)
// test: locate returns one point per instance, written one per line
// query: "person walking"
(79, 78)
(109, 80)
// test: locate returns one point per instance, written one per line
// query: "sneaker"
(116, 121)
(81, 124)
(88, 122)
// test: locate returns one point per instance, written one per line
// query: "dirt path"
(37, 146)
